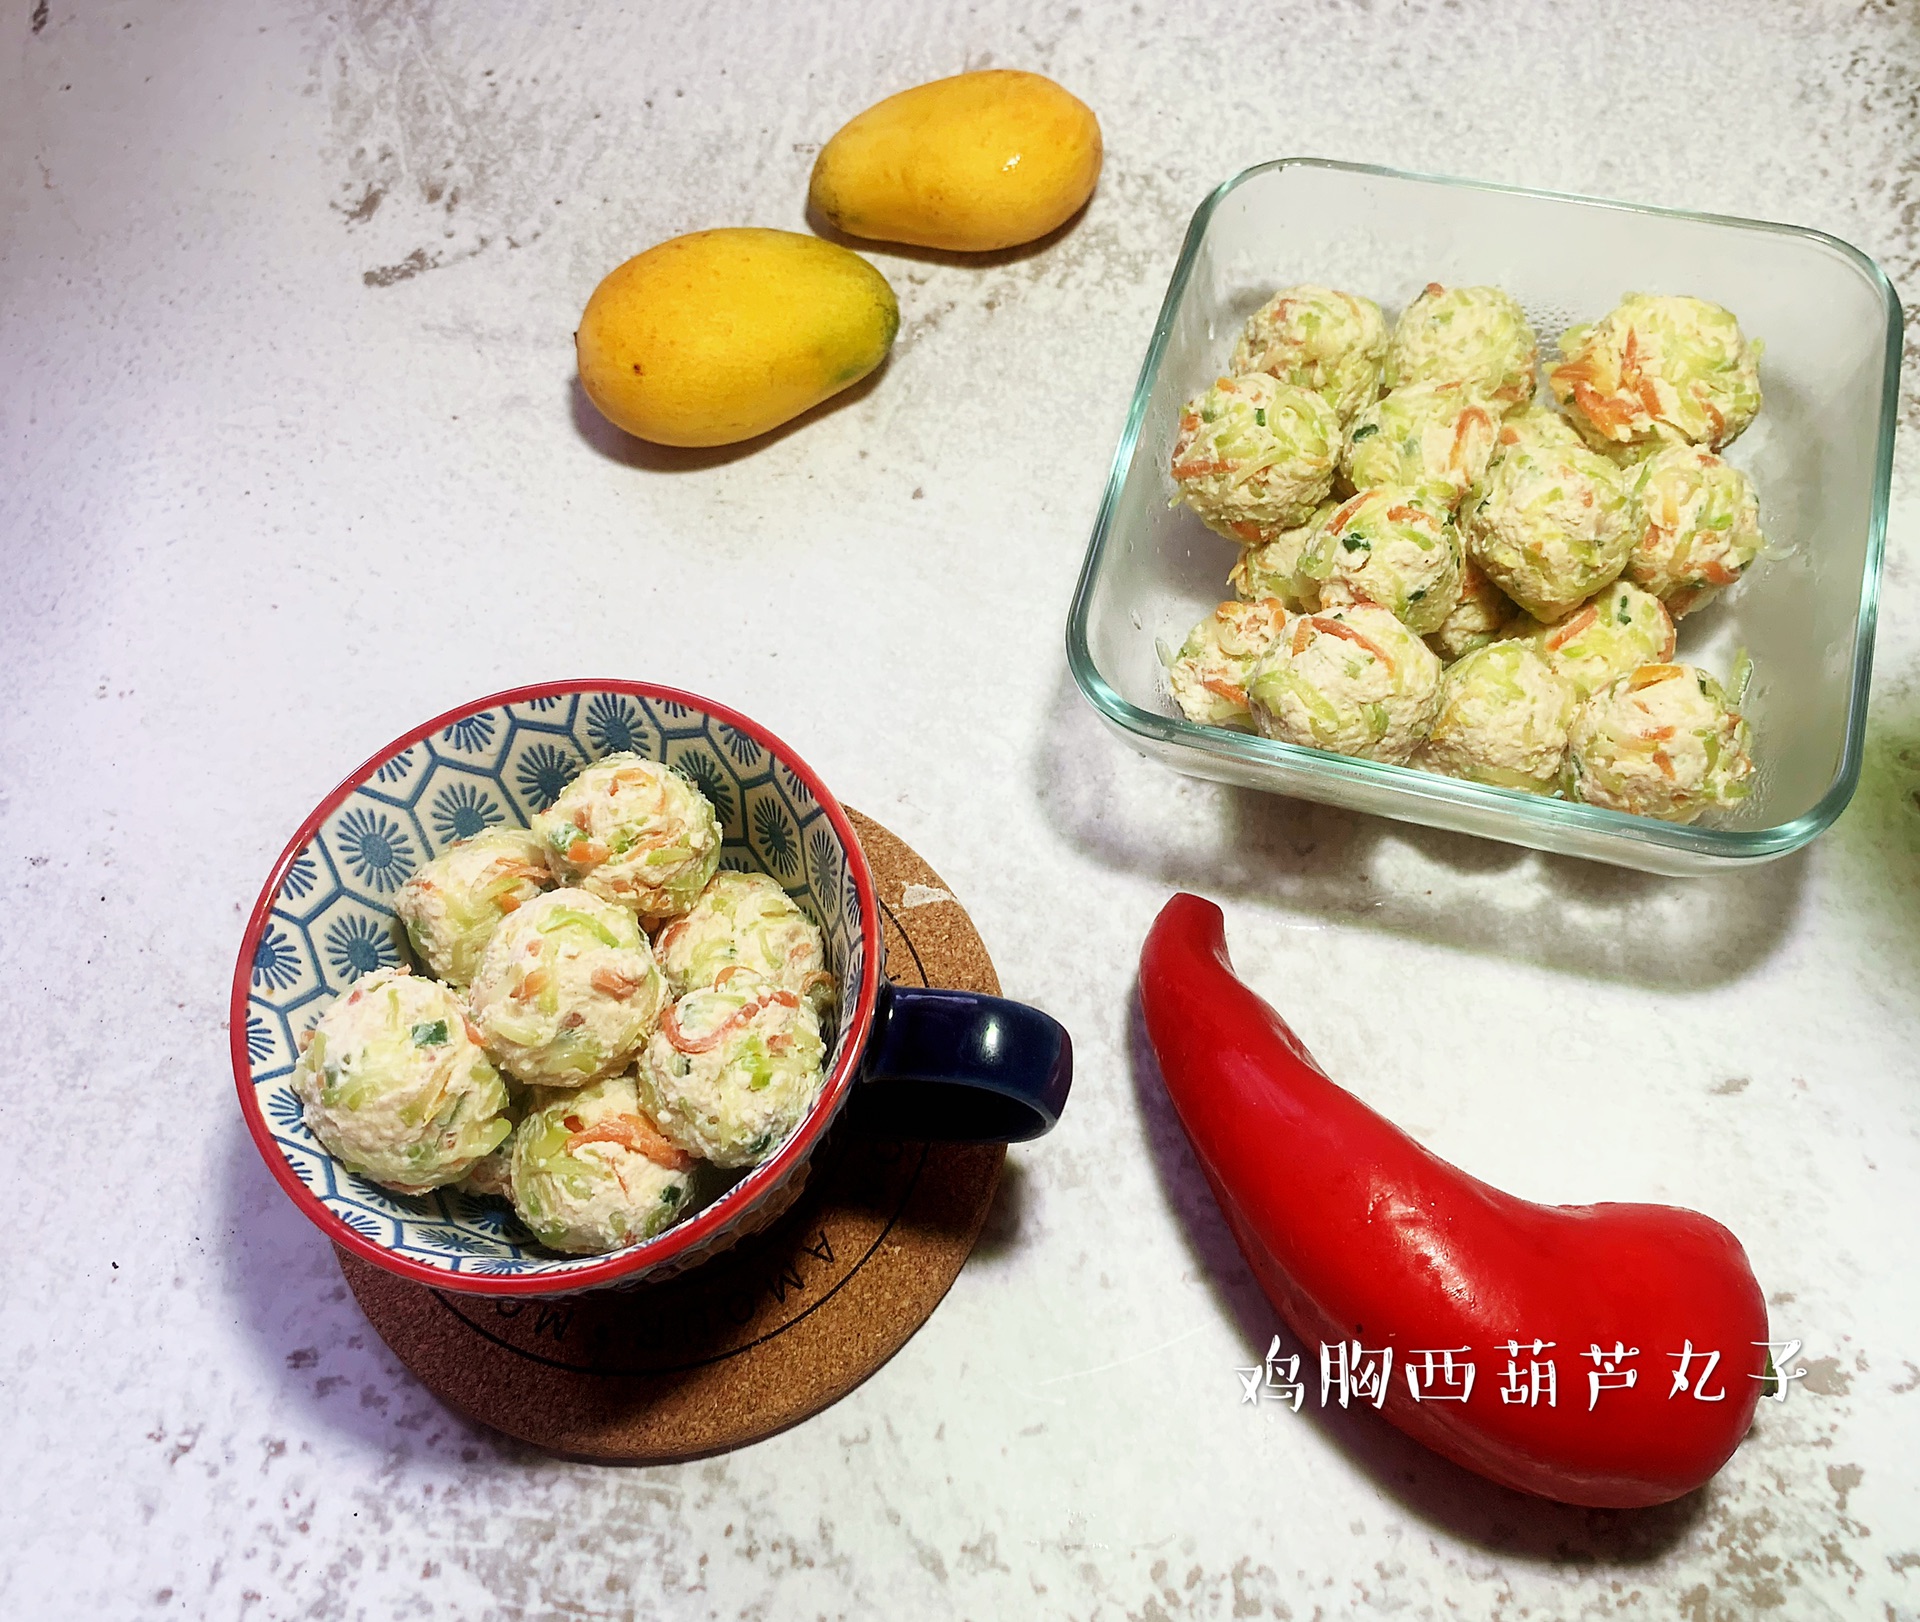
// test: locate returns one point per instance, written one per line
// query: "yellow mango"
(978, 161)
(722, 335)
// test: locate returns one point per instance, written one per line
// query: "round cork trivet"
(764, 1336)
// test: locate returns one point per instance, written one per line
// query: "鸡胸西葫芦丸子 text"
(1528, 1374)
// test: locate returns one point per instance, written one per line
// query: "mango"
(721, 335)
(975, 162)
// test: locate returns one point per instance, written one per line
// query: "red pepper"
(1357, 1233)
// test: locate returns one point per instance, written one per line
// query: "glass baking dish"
(1820, 455)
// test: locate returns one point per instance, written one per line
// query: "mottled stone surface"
(284, 360)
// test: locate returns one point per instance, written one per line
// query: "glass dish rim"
(1409, 783)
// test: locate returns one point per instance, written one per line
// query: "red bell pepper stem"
(1356, 1232)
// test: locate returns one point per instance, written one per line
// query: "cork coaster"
(764, 1336)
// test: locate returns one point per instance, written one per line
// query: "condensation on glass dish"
(1549, 320)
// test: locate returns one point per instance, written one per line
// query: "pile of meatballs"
(1436, 570)
(606, 1012)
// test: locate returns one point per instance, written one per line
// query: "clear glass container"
(1820, 455)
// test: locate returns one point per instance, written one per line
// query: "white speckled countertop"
(284, 344)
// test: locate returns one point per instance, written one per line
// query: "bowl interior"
(1819, 454)
(330, 920)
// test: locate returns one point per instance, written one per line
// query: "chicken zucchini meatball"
(1351, 680)
(452, 906)
(1480, 613)
(1393, 548)
(1622, 629)
(633, 832)
(492, 1174)
(1659, 367)
(567, 990)
(1423, 434)
(1319, 339)
(733, 1069)
(1551, 525)
(1255, 456)
(1477, 336)
(397, 1088)
(1504, 715)
(1272, 569)
(1540, 426)
(590, 1172)
(746, 921)
(1209, 674)
(1702, 527)
(1663, 741)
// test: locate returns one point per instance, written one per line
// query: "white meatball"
(1351, 680)
(1662, 742)
(396, 1087)
(1504, 715)
(452, 906)
(746, 921)
(733, 1069)
(635, 833)
(590, 1172)
(567, 989)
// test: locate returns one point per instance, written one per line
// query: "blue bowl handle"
(959, 1067)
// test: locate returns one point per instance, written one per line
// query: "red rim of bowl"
(675, 1241)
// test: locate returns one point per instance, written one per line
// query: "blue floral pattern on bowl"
(331, 921)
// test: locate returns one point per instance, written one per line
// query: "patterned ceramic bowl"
(920, 1063)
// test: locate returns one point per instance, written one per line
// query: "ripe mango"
(978, 161)
(721, 335)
